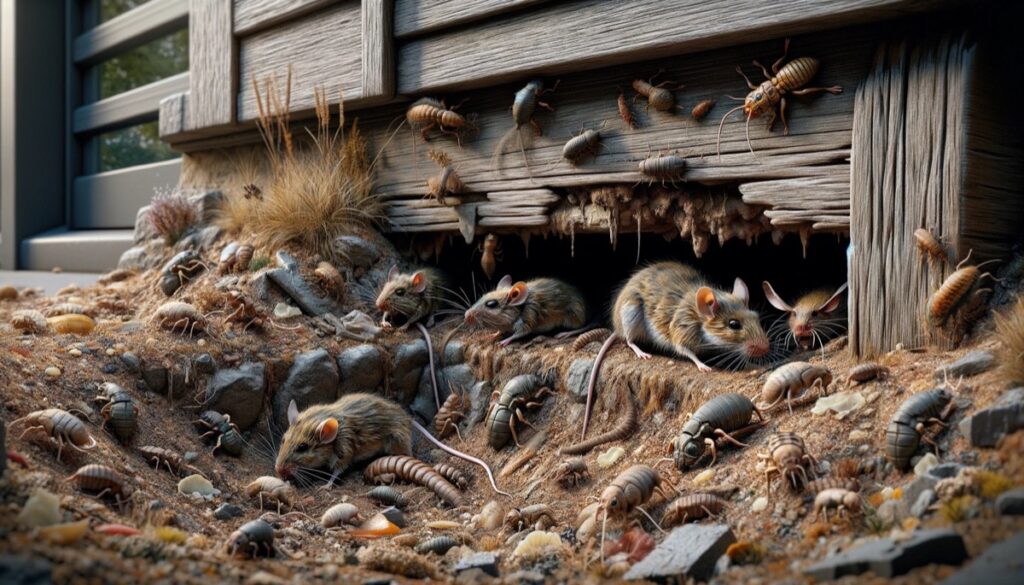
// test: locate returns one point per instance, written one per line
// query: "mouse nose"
(284, 471)
(470, 317)
(757, 348)
(382, 305)
(802, 329)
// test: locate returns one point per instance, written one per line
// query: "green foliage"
(259, 263)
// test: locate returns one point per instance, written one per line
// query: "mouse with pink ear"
(813, 319)
(407, 298)
(526, 308)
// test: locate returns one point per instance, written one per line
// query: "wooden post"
(213, 64)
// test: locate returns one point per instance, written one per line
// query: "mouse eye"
(491, 304)
(400, 292)
(735, 325)
(302, 448)
(757, 96)
(814, 313)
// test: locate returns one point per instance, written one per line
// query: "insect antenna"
(721, 125)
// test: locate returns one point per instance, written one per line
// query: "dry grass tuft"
(312, 195)
(170, 215)
(847, 467)
(1010, 332)
(991, 484)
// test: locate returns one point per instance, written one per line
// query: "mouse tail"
(592, 383)
(459, 454)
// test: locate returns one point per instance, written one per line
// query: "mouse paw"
(703, 367)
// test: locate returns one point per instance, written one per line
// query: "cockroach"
(174, 315)
(537, 516)
(397, 561)
(387, 495)
(588, 337)
(843, 501)
(625, 113)
(663, 167)
(790, 460)
(490, 253)
(427, 113)
(60, 427)
(453, 474)
(253, 539)
(627, 492)
(724, 417)
(787, 79)
(658, 97)
(228, 437)
(226, 261)
(701, 109)
(572, 472)
(120, 413)
(866, 372)
(103, 481)
(179, 269)
(329, 278)
(65, 309)
(520, 393)
(524, 106)
(528, 452)
(160, 457)
(447, 181)
(243, 258)
(929, 245)
(622, 430)
(790, 379)
(906, 430)
(339, 514)
(29, 321)
(450, 415)
(273, 490)
(584, 145)
(827, 483)
(691, 507)
(954, 290)
(438, 545)
(415, 471)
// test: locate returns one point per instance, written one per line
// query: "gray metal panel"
(134, 28)
(81, 251)
(131, 107)
(111, 199)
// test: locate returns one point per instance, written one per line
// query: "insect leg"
(835, 89)
(750, 84)
(729, 438)
(778, 62)
(763, 70)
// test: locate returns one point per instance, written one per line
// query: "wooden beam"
(378, 62)
(134, 28)
(213, 63)
(255, 15)
(172, 115)
(131, 107)
(419, 17)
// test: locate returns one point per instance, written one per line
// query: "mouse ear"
(393, 272)
(505, 282)
(833, 301)
(293, 412)
(419, 282)
(775, 300)
(327, 431)
(707, 304)
(739, 290)
(517, 294)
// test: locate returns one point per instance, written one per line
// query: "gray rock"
(191, 456)
(1000, 564)
(922, 503)
(484, 561)
(237, 392)
(986, 427)
(286, 261)
(409, 361)
(914, 489)
(479, 401)
(19, 570)
(300, 291)
(394, 516)
(356, 251)
(1009, 503)
(207, 204)
(888, 558)
(525, 578)
(688, 551)
(971, 364)
(227, 512)
(155, 378)
(577, 377)
(455, 353)
(892, 512)
(207, 237)
(109, 368)
(143, 229)
(131, 361)
(312, 379)
(134, 258)
(362, 369)
(205, 364)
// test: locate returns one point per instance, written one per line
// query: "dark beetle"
(519, 394)
(218, 425)
(119, 411)
(252, 539)
(718, 419)
(906, 429)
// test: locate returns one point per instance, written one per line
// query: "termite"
(771, 93)
(790, 379)
(692, 507)
(338, 514)
(161, 457)
(572, 472)
(427, 113)
(539, 516)
(701, 109)
(490, 253)
(929, 245)
(627, 492)
(953, 290)
(789, 459)
(447, 181)
(844, 501)
(658, 97)
(625, 113)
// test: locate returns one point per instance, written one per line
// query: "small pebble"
(110, 351)
(858, 436)
(704, 477)
(75, 352)
(228, 511)
(109, 368)
(52, 372)
(759, 505)
(201, 342)
(926, 463)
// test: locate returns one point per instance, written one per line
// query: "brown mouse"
(814, 318)
(410, 297)
(332, 436)
(670, 307)
(526, 308)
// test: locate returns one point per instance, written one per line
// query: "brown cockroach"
(528, 452)
(658, 97)
(453, 474)
(866, 372)
(387, 495)
(663, 167)
(954, 290)
(173, 315)
(520, 393)
(273, 490)
(724, 417)
(29, 321)
(65, 309)
(180, 269)
(329, 278)
(622, 430)
(786, 79)
(338, 514)
(119, 411)
(827, 483)
(490, 253)
(104, 481)
(226, 261)
(229, 438)
(906, 430)
(691, 507)
(584, 145)
(427, 113)
(168, 459)
(60, 427)
(253, 539)
(790, 460)
(524, 106)
(929, 245)
(843, 501)
(447, 182)
(594, 335)
(625, 113)
(450, 415)
(572, 472)
(790, 379)
(627, 492)
(537, 516)
(701, 109)
(413, 470)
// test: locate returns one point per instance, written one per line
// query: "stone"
(460, 377)
(971, 364)
(356, 251)
(109, 368)
(408, 367)
(133, 258)
(208, 205)
(205, 364)
(689, 551)
(155, 378)
(479, 402)
(1011, 502)
(922, 503)
(1000, 564)
(300, 291)
(286, 261)
(484, 561)
(20, 570)
(394, 516)
(841, 403)
(759, 505)
(927, 461)
(929, 480)
(455, 353)
(525, 578)
(888, 558)
(207, 237)
(237, 392)
(312, 379)
(228, 511)
(1006, 415)
(131, 361)
(892, 512)
(577, 377)
(143, 229)
(859, 436)
(361, 369)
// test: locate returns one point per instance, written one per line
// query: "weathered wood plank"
(599, 33)
(255, 15)
(213, 75)
(172, 114)
(128, 108)
(378, 61)
(417, 17)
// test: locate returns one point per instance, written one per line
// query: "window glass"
(151, 62)
(136, 145)
(111, 8)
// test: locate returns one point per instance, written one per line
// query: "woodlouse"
(906, 430)
(584, 145)
(724, 417)
(438, 545)
(65, 309)
(953, 291)
(866, 372)
(790, 379)
(387, 495)
(173, 315)
(29, 321)
(413, 470)
(663, 167)
(271, 489)
(692, 507)
(60, 427)
(519, 394)
(338, 514)
(219, 426)
(120, 413)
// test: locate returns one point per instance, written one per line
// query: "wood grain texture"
(324, 49)
(378, 61)
(172, 115)
(596, 33)
(255, 15)
(212, 64)
(417, 17)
